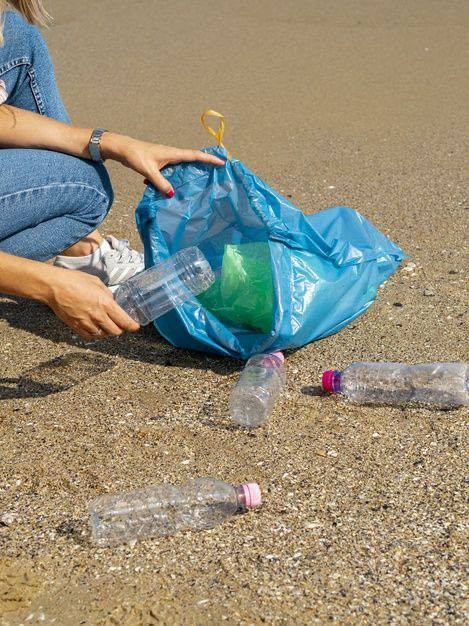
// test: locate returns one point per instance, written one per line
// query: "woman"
(55, 191)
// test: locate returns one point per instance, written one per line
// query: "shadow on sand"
(59, 374)
(313, 390)
(64, 372)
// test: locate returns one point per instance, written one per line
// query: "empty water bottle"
(444, 385)
(157, 290)
(257, 389)
(165, 509)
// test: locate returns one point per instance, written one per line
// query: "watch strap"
(94, 145)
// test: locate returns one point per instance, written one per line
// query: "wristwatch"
(94, 145)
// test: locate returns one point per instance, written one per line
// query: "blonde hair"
(31, 10)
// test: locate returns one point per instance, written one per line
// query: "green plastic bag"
(243, 296)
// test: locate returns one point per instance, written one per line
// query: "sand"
(362, 104)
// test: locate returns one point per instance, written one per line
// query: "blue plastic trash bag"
(325, 268)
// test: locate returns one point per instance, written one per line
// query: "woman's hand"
(82, 301)
(24, 129)
(148, 159)
(86, 305)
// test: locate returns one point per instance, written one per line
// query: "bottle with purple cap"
(445, 385)
(257, 389)
(166, 509)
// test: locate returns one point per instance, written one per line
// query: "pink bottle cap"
(252, 495)
(269, 362)
(331, 381)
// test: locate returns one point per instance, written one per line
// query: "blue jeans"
(48, 200)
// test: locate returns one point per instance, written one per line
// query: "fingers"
(85, 334)
(203, 157)
(89, 331)
(108, 327)
(109, 322)
(120, 318)
(100, 329)
(198, 155)
(113, 321)
(159, 181)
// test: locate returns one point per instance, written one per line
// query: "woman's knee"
(40, 185)
(87, 185)
(99, 195)
(98, 176)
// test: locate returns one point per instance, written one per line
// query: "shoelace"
(122, 252)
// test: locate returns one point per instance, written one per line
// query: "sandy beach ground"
(356, 103)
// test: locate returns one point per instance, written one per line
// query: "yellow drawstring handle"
(217, 134)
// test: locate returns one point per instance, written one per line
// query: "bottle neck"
(241, 498)
(337, 382)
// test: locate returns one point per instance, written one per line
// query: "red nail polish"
(170, 193)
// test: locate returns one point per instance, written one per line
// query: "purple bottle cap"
(252, 495)
(331, 381)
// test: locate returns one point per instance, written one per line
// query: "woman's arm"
(82, 301)
(24, 129)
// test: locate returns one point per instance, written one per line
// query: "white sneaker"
(113, 262)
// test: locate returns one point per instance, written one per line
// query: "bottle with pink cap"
(166, 509)
(444, 385)
(257, 389)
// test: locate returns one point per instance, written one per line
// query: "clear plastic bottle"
(165, 509)
(257, 389)
(444, 385)
(157, 290)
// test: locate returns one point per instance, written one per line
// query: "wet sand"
(361, 104)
